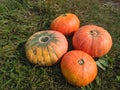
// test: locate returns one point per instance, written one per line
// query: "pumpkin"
(78, 68)
(66, 23)
(92, 39)
(45, 48)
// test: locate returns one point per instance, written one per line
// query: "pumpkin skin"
(78, 68)
(92, 39)
(66, 23)
(45, 48)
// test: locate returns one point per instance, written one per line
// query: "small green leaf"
(83, 88)
(98, 80)
(88, 87)
(100, 65)
(118, 78)
(103, 62)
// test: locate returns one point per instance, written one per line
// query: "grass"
(19, 19)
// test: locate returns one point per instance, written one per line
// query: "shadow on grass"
(21, 53)
(51, 76)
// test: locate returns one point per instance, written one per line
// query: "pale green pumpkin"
(45, 48)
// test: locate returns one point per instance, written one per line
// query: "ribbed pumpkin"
(78, 68)
(92, 39)
(45, 48)
(66, 23)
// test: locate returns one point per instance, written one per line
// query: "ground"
(19, 19)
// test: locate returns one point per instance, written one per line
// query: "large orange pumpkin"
(45, 48)
(93, 40)
(66, 23)
(78, 68)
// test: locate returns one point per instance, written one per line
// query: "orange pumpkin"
(66, 23)
(45, 48)
(78, 68)
(92, 39)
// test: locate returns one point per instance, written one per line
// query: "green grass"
(19, 19)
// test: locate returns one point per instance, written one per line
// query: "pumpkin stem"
(44, 39)
(81, 61)
(94, 33)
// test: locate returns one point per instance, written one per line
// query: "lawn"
(19, 19)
